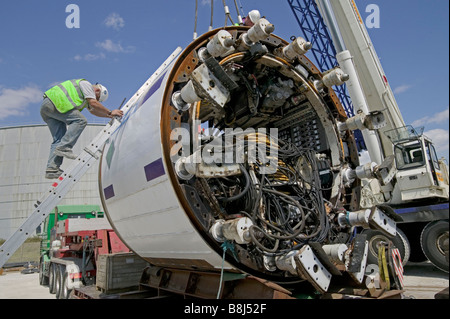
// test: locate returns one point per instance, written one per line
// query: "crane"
(415, 181)
(315, 31)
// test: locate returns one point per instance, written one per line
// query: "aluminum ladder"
(75, 171)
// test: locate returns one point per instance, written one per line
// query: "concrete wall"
(24, 153)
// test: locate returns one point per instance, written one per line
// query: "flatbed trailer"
(171, 283)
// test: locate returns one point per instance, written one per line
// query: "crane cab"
(420, 174)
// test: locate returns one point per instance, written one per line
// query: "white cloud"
(108, 46)
(402, 88)
(94, 57)
(437, 118)
(116, 47)
(440, 139)
(114, 21)
(14, 102)
(89, 57)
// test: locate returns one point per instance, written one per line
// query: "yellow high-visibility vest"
(67, 96)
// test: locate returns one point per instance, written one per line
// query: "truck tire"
(51, 278)
(413, 231)
(400, 241)
(432, 241)
(43, 279)
(58, 280)
(65, 291)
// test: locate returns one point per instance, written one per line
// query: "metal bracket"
(310, 268)
(381, 221)
(209, 87)
(356, 258)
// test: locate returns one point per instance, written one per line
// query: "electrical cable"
(257, 243)
(241, 194)
(238, 13)
(287, 208)
(196, 16)
(221, 272)
(212, 15)
(242, 8)
(227, 13)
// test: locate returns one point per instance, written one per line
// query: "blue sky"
(121, 43)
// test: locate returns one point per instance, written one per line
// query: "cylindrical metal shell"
(165, 218)
(137, 192)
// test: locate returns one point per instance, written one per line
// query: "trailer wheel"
(58, 280)
(413, 231)
(433, 241)
(43, 279)
(51, 278)
(400, 241)
(65, 291)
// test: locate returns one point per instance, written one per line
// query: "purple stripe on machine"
(154, 170)
(154, 88)
(109, 192)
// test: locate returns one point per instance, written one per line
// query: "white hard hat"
(103, 93)
(254, 16)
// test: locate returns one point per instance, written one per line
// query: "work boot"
(53, 173)
(66, 152)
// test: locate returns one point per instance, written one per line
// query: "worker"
(252, 18)
(61, 110)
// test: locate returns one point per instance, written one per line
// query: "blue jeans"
(65, 128)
